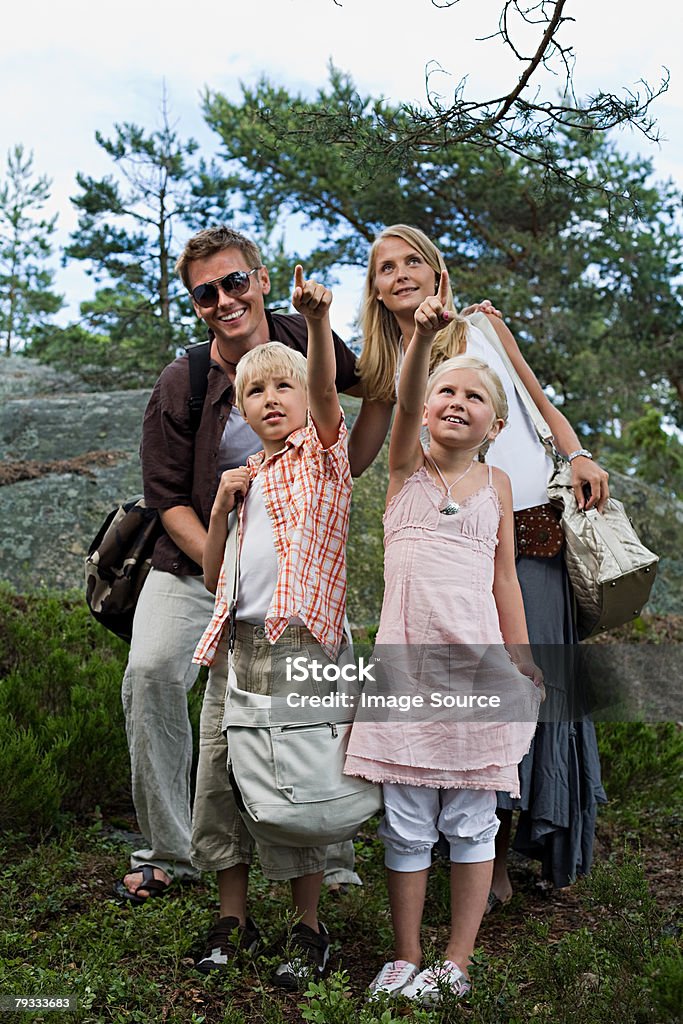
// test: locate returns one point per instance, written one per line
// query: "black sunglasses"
(237, 283)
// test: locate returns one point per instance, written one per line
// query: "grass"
(65, 936)
(607, 950)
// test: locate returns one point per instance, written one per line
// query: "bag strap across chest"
(481, 321)
(199, 356)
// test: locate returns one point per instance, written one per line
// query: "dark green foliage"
(589, 282)
(64, 935)
(641, 762)
(365, 547)
(639, 940)
(60, 679)
(656, 453)
(126, 236)
(30, 796)
(26, 299)
(104, 360)
(622, 967)
(62, 737)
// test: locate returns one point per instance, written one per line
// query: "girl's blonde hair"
(266, 361)
(491, 383)
(378, 362)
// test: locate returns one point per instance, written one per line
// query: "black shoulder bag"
(120, 556)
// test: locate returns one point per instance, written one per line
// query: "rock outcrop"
(49, 420)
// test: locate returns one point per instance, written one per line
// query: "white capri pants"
(414, 816)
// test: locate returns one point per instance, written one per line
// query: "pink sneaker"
(429, 984)
(393, 978)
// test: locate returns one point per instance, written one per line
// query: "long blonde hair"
(379, 359)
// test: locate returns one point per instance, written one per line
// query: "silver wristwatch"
(579, 451)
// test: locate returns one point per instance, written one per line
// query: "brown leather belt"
(538, 532)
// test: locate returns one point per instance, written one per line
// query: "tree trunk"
(10, 316)
(164, 303)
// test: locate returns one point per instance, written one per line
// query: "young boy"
(292, 592)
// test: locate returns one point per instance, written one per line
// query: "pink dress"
(439, 633)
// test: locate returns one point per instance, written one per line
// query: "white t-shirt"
(517, 450)
(237, 443)
(258, 558)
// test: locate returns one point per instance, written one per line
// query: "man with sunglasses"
(224, 275)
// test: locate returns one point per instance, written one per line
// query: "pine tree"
(26, 299)
(126, 235)
(588, 278)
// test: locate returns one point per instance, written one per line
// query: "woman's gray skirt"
(560, 776)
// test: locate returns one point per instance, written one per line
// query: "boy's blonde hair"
(381, 334)
(266, 361)
(491, 383)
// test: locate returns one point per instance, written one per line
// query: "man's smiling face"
(236, 320)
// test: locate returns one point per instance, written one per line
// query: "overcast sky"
(70, 67)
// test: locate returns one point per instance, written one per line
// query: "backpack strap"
(199, 356)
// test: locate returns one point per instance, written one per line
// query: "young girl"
(449, 579)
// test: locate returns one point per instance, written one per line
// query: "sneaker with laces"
(428, 986)
(227, 939)
(308, 953)
(393, 978)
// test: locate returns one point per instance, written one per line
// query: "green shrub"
(60, 679)
(30, 794)
(60, 687)
(641, 764)
(636, 936)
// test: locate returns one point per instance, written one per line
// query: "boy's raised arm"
(313, 301)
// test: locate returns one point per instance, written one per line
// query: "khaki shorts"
(220, 838)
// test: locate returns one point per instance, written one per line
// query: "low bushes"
(63, 749)
(62, 740)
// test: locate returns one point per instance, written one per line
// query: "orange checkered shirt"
(307, 491)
